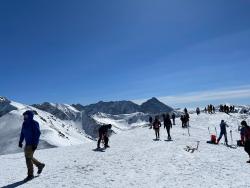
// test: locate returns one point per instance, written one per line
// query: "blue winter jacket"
(30, 131)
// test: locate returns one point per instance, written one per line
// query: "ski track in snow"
(135, 160)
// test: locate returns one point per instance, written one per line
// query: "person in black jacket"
(167, 124)
(103, 135)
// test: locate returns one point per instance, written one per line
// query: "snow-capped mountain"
(5, 106)
(152, 106)
(61, 111)
(61, 124)
(55, 132)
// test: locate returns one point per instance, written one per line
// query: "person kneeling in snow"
(31, 134)
(246, 138)
(103, 135)
(223, 131)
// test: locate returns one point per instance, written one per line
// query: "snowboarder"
(223, 132)
(173, 117)
(167, 124)
(103, 135)
(30, 133)
(156, 126)
(246, 138)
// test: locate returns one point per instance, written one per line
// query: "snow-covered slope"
(136, 160)
(123, 121)
(61, 111)
(55, 132)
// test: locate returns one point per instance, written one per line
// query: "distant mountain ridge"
(152, 106)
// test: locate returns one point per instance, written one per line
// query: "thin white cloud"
(241, 92)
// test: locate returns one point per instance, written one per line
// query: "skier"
(30, 133)
(173, 117)
(156, 126)
(223, 132)
(167, 124)
(103, 135)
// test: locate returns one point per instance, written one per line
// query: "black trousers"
(104, 137)
(168, 131)
(247, 147)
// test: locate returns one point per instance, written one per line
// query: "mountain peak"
(155, 106)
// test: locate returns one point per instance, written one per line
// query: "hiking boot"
(29, 178)
(107, 146)
(248, 161)
(40, 168)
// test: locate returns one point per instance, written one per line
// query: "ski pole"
(209, 131)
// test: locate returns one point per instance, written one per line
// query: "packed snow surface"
(136, 160)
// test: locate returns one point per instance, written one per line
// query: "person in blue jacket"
(223, 131)
(30, 133)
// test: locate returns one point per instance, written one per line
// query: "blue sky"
(86, 51)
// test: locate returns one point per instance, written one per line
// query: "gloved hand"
(20, 145)
(34, 147)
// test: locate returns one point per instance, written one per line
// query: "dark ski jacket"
(173, 116)
(157, 124)
(223, 127)
(104, 129)
(167, 123)
(30, 131)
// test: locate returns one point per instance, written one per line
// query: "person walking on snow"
(103, 135)
(223, 131)
(246, 138)
(30, 133)
(167, 124)
(156, 126)
(173, 117)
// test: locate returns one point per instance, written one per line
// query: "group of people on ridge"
(227, 109)
(210, 109)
